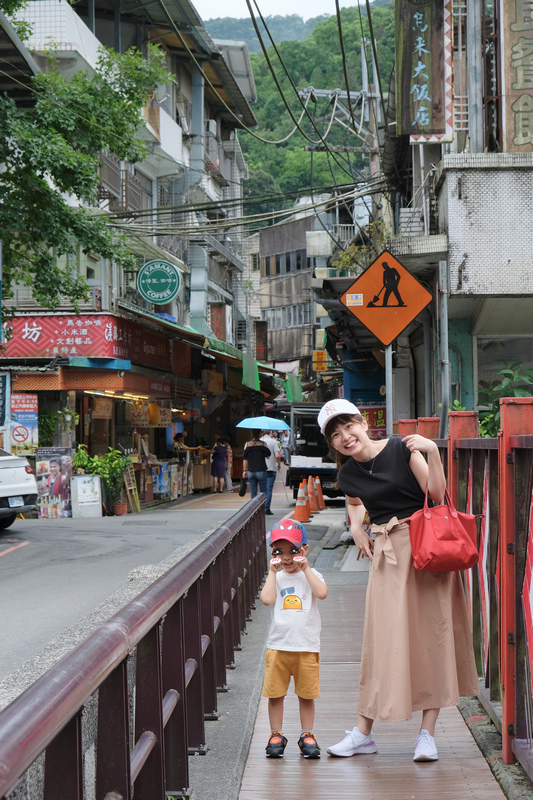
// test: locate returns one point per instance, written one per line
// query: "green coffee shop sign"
(158, 282)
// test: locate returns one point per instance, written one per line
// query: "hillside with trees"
(287, 166)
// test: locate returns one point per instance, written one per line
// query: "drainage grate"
(145, 522)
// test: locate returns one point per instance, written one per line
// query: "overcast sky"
(211, 9)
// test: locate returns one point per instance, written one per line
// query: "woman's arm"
(356, 515)
(429, 474)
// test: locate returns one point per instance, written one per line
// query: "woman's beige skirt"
(417, 641)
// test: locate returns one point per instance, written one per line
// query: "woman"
(254, 463)
(218, 466)
(417, 648)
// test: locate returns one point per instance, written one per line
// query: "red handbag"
(442, 538)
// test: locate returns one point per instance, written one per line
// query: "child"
(293, 646)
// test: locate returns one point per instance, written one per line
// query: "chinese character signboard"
(376, 418)
(86, 335)
(424, 90)
(24, 425)
(517, 72)
(320, 360)
(386, 298)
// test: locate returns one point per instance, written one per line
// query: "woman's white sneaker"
(353, 743)
(425, 748)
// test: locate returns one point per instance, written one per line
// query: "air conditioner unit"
(211, 126)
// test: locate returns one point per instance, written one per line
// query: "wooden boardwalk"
(460, 773)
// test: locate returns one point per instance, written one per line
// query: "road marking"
(13, 548)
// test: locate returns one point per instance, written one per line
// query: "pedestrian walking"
(273, 464)
(218, 466)
(292, 588)
(417, 644)
(254, 463)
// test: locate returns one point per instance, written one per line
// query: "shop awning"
(182, 331)
(293, 389)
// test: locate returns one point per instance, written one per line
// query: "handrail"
(35, 719)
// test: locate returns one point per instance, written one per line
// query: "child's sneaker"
(308, 746)
(276, 745)
(425, 748)
(353, 743)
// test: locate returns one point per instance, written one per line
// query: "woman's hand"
(363, 541)
(416, 442)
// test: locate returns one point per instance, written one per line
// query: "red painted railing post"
(516, 419)
(461, 425)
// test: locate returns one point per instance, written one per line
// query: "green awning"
(250, 372)
(218, 346)
(293, 389)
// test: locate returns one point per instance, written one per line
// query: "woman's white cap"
(332, 409)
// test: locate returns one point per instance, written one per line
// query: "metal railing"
(133, 697)
(494, 478)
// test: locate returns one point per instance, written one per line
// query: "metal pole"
(388, 386)
(428, 405)
(444, 359)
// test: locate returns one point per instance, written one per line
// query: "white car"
(18, 488)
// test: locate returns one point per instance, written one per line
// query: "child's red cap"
(291, 531)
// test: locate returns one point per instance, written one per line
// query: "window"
(299, 259)
(256, 262)
(278, 264)
(267, 266)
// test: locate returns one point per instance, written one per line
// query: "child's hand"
(275, 564)
(301, 562)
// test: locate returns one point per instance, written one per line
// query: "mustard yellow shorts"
(304, 668)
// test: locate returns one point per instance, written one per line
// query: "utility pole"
(372, 124)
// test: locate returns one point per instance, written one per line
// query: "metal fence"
(494, 478)
(121, 713)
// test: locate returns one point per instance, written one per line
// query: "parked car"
(18, 488)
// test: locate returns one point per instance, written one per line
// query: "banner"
(424, 61)
(517, 75)
(24, 423)
(53, 468)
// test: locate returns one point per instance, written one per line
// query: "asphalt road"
(52, 573)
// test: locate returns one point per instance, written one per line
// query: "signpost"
(386, 298)
(158, 281)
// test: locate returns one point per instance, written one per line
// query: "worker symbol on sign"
(391, 279)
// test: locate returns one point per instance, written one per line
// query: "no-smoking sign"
(20, 434)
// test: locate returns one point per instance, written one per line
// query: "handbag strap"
(447, 501)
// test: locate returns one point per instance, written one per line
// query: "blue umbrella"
(263, 424)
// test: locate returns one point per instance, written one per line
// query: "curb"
(513, 780)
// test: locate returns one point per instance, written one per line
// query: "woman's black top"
(391, 490)
(255, 455)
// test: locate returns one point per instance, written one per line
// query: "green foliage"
(52, 152)
(316, 61)
(512, 381)
(47, 421)
(111, 468)
(67, 419)
(357, 257)
(80, 462)
(282, 29)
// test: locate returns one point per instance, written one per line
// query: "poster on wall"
(24, 423)
(4, 410)
(153, 413)
(53, 468)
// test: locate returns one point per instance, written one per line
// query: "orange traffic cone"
(306, 495)
(320, 496)
(300, 512)
(313, 501)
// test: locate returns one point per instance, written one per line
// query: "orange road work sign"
(386, 298)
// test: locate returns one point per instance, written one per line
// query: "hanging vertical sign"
(517, 74)
(424, 91)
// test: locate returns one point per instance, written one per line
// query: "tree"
(50, 157)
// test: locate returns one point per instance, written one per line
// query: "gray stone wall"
(485, 205)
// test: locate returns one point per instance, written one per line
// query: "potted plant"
(80, 461)
(111, 467)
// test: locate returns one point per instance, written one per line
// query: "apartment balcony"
(56, 26)
(218, 165)
(23, 300)
(165, 139)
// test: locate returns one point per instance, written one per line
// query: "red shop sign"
(86, 335)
